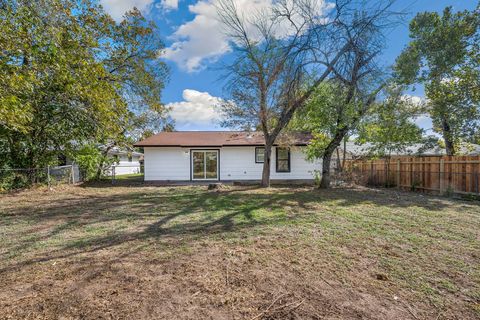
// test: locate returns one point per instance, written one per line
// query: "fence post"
(371, 173)
(476, 183)
(48, 176)
(72, 174)
(398, 173)
(442, 176)
(113, 174)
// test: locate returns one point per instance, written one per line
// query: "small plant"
(390, 182)
(471, 197)
(317, 176)
(415, 184)
(449, 192)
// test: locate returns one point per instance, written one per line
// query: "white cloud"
(167, 5)
(198, 40)
(197, 108)
(423, 120)
(415, 100)
(117, 8)
(203, 40)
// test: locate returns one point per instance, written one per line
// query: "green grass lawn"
(187, 253)
(130, 176)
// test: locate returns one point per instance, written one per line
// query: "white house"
(125, 162)
(223, 156)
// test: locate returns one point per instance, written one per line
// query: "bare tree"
(357, 73)
(265, 82)
(285, 52)
(337, 106)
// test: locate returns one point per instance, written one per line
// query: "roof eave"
(211, 146)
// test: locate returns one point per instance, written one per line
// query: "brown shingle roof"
(217, 139)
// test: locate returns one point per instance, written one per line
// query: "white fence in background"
(126, 173)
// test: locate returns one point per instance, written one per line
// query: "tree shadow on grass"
(182, 214)
(139, 182)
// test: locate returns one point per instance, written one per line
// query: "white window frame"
(256, 159)
(204, 151)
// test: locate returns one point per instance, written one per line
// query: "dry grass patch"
(237, 253)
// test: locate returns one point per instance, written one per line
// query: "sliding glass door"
(205, 164)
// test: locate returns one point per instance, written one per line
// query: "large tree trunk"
(266, 165)
(325, 181)
(447, 137)
(327, 157)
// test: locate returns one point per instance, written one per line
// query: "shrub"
(11, 180)
(88, 159)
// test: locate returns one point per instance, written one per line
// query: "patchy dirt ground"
(240, 253)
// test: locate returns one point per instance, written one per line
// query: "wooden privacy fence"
(445, 174)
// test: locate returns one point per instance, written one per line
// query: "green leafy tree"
(70, 75)
(389, 129)
(443, 56)
(275, 74)
(89, 158)
(331, 114)
(336, 107)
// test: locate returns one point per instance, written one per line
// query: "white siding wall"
(166, 164)
(236, 163)
(300, 167)
(126, 167)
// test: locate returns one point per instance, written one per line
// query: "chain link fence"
(17, 178)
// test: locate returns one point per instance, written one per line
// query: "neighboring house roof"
(121, 152)
(218, 139)
(467, 149)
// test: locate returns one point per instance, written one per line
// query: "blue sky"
(196, 49)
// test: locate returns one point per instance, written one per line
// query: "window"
(129, 158)
(259, 155)
(283, 159)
